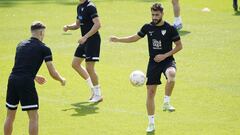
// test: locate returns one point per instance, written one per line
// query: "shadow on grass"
(83, 108)
(66, 34)
(183, 32)
(150, 133)
(237, 13)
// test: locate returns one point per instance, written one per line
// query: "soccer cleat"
(150, 128)
(178, 26)
(96, 99)
(168, 107)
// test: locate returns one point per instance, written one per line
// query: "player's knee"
(33, 117)
(75, 65)
(171, 74)
(90, 68)
(9, 120)
(151, 93)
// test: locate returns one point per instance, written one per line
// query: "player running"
(89, 46)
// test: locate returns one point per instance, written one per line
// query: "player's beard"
(156, 22)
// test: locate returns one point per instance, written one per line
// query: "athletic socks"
(151, 119)
(166, 99)
(97, 90)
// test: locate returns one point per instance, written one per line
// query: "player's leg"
(170, 74)
(29, 101)
(77, 66)
(79, 57)
(8, 125)
(177, 18)
(153, 79)
(235, 5)
(12, 101)
(90, 66)
(33, 122)
(92, 56)
(150, 104)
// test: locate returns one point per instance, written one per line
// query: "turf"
(207, 92)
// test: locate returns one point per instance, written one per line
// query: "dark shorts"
(155, 70)
(90, 50)
(21, 89)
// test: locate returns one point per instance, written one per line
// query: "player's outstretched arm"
(73, 26)
(128, 39)
(40, 79)
(54, 74)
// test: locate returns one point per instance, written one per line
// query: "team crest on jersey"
(163, 32)
(82, 9)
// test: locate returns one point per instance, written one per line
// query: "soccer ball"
(137, 78)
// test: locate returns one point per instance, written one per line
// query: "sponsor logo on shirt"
(157, 44)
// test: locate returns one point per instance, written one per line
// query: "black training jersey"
(160, 38)
(85, 13)
(29, 57)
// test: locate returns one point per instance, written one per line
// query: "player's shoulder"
(24, 42)
(91, 5)
(44, 46)
(147, 25)
(168, 26)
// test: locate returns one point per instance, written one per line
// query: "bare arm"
(73, 26)
(93, 30)
(128, 39)
(177, 48)
(54, 74)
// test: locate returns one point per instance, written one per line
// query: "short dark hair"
(157, 7)
(37, 25)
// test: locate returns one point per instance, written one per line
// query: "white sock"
(151, 119)
(166, 99)
(177, 20)
(89, 82)
(97, 90)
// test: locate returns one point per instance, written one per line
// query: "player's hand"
(65, 28)
(82, 40)
(160, 57)
(40, 79)
(113, 39)
(63, 81)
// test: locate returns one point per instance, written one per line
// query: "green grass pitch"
(207, 92)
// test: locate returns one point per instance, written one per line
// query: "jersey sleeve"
(92, 11)
(174, 34)
(47, 54)
(143, 31)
